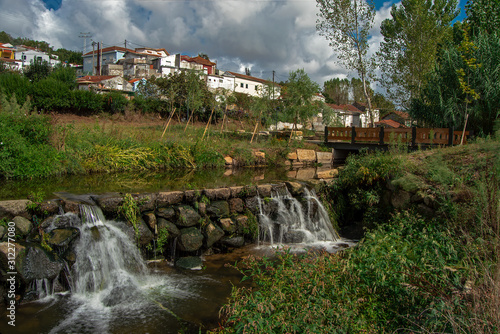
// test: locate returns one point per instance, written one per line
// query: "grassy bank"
(34, 145)
(410, 272)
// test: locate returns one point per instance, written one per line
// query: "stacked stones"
(301, 159)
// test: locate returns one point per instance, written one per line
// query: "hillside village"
(117, 68)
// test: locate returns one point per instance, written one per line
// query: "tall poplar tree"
(346, 24)
(411, 39)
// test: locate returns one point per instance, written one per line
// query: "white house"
(253, 86)
(27, 56)
(220, 81)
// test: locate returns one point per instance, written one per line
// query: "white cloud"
(262, 35)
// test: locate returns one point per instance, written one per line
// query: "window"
(241, 85)
(246, 86)
(220, 80)
(256, 87)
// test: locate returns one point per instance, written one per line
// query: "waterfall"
(285, 219)
(107, 262)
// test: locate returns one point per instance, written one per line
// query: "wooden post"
(413, 136)
(353, 135)
(208, 123)
(326, 134)
(190, 116)
(381, 135)
(450, 137)
(463, 132)
(169, 119)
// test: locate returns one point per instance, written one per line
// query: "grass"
(41, 145)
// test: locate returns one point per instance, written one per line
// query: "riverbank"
(427, 262)
(35, 146)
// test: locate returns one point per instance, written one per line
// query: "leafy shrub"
(114, 102)
(403, 275)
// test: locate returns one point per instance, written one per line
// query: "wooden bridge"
(345, 140)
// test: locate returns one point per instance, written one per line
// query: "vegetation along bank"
(428, 260)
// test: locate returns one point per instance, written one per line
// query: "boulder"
(3, 231)
(62, 237)
(167, 213)
(327, 174)
(109, 203)
(324, 157)
(69, 219)
(294, 237)
(236, 205)
(190, 239)
(189, 263)
(264, 190)
(71, 206)
(187, 216)
(192, 195)
(228, 225)
(36, 264)
(252, 203)
(150, 220)
(145, 202)
(145, 234)
(213, 233)
(294, 188)
(164, 199)
(306, 174)
(292, 156)
(238, 191)
(228, 160)
(23, 225)
(306, 155)
(173, 231)
(238, 241)
(51, 207)
(10, 209)
(217, 194)
(218, 209)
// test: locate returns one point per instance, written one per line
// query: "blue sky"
(263, 35)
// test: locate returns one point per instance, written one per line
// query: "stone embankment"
(192, 223)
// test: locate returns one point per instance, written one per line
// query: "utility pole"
(125, 44)
(93, 57)
(85, 35)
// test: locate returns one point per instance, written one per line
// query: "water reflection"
(150, 181)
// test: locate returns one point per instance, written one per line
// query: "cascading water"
(284, 219)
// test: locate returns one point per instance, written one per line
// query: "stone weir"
(38, 241)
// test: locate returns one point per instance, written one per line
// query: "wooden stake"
(255, 129)
(463, 132)
(191, 116)
(208, 123)
(169, 119)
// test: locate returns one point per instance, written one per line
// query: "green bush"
(51, 95)
(114, 102)
(404, 275)
(86, 102)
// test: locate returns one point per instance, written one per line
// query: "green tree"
(483, 16)
(384, 105)
(336, 91)
(37, 70)
(358, 90)
(300, 89)
(346, 25)
(5, 37)
(458, 86)
(411, 39)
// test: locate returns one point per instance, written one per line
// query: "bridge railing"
(411, 136)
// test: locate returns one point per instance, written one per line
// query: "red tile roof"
(134, 80)
(344, 107)
(402, 114)
(391, 123)
(95, 78)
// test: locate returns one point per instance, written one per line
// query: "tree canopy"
(411, 39)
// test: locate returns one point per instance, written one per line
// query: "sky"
(263, 35)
